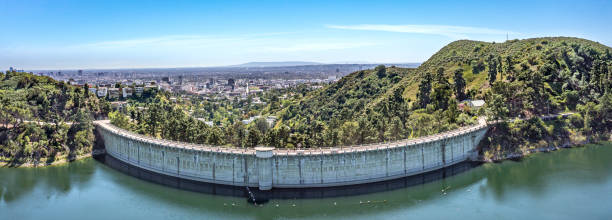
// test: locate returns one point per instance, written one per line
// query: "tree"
(396, 129)
(381, 71)
(262, 125)
(492, 62)
(496, 107)
(82, 141)
(420, 124)
(254, 137)
(478, 67)
(215, 136)
(13, 108)
(349, 133)
(118, 119)
(452, 112)
(509, 68)
(424, 91)
(442, 91)
(459, 85)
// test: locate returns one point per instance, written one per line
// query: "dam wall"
(267, 168)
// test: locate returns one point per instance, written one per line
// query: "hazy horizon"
(140, 34)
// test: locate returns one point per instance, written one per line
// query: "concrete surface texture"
(266, 167)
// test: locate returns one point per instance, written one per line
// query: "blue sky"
(131, 34)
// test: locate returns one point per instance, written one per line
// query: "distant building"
(118, 105)
(473, 104)
(102, 91)
(138, 90)
(113, 93)
(231, 82)
(251, 119)
(271, 120)
(127, 92)
(209, 123)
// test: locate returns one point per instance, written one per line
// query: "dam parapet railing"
(267, 168)
(278, 151)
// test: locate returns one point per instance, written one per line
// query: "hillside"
(564, 53)
(522, 79)
(54, 106)
(517, 78)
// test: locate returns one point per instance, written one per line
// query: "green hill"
(528, 77)
(34, 111)
(564, 53)
(518, 78)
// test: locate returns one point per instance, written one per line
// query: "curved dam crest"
(266, 167)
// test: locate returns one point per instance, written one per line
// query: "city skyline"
(109, 35)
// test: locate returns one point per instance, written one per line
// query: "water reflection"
(56, 180)
(537, 173)
(308, 193)
(537, 185)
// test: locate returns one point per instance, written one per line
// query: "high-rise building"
(231, 82)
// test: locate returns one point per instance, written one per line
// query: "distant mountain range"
(276, 64)
(305, 63)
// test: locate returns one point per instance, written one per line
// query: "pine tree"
(423, 95)
(492, 62)
(459, 84)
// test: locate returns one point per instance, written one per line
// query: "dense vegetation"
(162, 118)
(43, 118)
(517, 79)
(534, 77)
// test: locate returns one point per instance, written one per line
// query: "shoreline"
(550, 148)
(511, 156)
(60, 161)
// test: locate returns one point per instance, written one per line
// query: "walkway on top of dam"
(482, 123)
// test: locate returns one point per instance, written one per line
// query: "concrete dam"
(267, 168)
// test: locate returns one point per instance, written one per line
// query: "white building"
(102, 91)
(474, 104)
(113, 93)
(138, 90)
(127, 92)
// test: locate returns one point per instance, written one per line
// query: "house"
(92, 90)
(127, 92)
(271, 120)
(118, 105)
(138, 90)
(102, 91)
(209, 123)
(249, 120)
(113, 93)
(473, 104)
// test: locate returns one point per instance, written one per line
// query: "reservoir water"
(566, 184)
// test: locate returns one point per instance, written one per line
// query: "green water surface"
(567, 184)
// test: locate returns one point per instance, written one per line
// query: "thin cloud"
(163, 41)
(268, 42)
(322, 46)
(445, 30)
